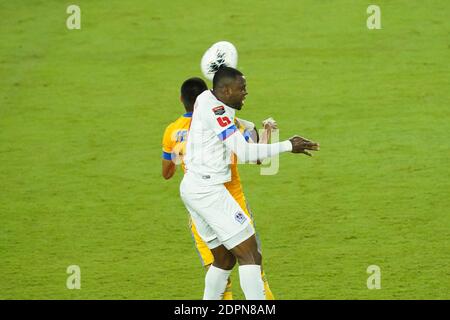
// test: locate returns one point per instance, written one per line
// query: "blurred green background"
(82, 113)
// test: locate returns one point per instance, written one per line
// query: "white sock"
(251, 283)
(215, 283)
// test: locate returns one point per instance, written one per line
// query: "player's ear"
(227, 91)
(181, 99)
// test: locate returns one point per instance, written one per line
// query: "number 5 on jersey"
(223, 121)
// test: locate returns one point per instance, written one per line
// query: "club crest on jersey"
(240, 217)
(180, 135)
(218, 111)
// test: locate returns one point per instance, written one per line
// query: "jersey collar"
(187, 115)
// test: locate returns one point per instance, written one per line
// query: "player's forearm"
(251, 152)
(265, 137)
(168, 169)
(168, 174)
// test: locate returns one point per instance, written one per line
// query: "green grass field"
(82, 113)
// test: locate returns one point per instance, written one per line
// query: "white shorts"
(218, 217)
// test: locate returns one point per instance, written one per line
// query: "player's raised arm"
(269, 125)
(230, 87)
(251, 152)
(221, 123)
(303, 144)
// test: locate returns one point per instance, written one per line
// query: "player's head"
(229, 85)
(190, 89)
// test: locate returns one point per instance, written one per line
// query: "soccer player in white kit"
(220, 222)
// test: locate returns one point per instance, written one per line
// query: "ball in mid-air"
(220, 53)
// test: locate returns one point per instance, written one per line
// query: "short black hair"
(190, 89)
(224, 76)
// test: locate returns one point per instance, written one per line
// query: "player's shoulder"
(173, 125)
(206, 100)
(170, 126)
(208, 103)
(205, 96)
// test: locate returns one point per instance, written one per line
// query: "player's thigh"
(215, 207)
(243, 203)
(236, 191)
(223, 258)
(226, 216)
(247, 252)
(202, 228)
(249, 213)
(204, 252)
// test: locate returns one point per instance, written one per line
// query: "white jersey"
(212, 139)
(207, 158)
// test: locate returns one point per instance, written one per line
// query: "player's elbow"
(247, 157)
(245, 152)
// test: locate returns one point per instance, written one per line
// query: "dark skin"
(233, 95)
(300, 145)
(245, 253)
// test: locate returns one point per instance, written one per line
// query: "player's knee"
(225, 265)
(244, 260)
(226, 262)
(230, 262)
(249, 257)
(247, 252)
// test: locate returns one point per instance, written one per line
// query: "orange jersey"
(174, 139)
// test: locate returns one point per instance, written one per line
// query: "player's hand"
(270, 124)
(300, 145)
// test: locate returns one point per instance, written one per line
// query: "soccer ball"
(220, 53)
